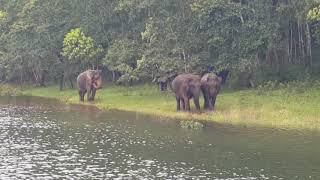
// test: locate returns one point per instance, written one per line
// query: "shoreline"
(281, 109)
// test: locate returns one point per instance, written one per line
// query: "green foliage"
(236, 32)
(314, 14)
(172, 43)
(31, 36)
(3, 16)
(147, 39)
(127, 79)
(77, 46)
(122, 57)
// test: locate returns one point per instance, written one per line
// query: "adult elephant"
(88, 82)
(210, 87)
(185, 87)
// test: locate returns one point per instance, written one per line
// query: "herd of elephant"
(185, 87)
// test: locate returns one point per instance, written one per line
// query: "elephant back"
(186, 82)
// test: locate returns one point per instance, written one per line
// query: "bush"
(283, 74)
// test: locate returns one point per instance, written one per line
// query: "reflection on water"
(52, 143)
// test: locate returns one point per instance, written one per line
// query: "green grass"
(292, 107)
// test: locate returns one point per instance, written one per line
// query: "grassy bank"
(292, 106)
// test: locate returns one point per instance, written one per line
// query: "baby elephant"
(210, 87)
(185, 87)
(88, 82)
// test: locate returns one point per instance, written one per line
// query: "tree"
(79, 48)
(33, 33)
(122, 58)
(148, 39)
(314, 17)
(171, 40)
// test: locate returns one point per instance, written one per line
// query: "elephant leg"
(213, 101)
(93, 91)
(206, 101)
(83, 94)
(80, 95)
(183, 104)
(206, 97)
(178, 104)
(196, 103)
(210, 107)
(89, 94)
(186, 103)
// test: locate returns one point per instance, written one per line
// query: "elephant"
(164, 81)
(88, 82)
(185, 87)
(210, 87)
(224, 75)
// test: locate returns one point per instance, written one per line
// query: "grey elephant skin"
(186, 87)
(89, 82)
(210, 87)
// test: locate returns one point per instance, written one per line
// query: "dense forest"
(258, 41)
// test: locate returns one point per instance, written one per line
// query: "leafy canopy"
(78, 46)
(3, 15)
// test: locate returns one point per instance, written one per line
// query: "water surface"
(44, 139)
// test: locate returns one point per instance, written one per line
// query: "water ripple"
(63, 145)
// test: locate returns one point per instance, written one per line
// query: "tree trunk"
(60, 58)
(309, 45)
(97, 64)
(300, 43)
(62, 81)
(113, 76)
(290, 44)
(295, 51)
(303, 50)
(35, 77)
(185, 61)
(42, 79)
(71, 83)
(21, 77)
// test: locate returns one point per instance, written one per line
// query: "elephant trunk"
(97, 84)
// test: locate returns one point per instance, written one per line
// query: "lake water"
(43, 139)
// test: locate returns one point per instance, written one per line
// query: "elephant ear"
(96, 74)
